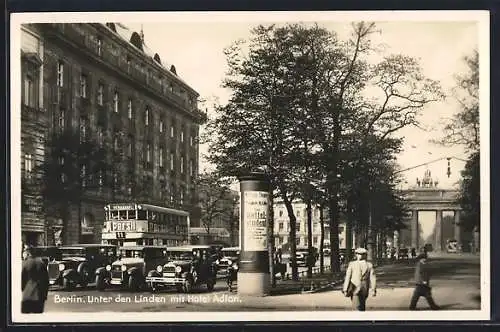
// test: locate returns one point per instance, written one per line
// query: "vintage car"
(79, 264)
(132, 266)
(187, 267)
(303, 258)
(47, 253)
(403, 253)
(230, 256)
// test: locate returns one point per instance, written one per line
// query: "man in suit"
(422, 287)
(361, 275)
(35, 282)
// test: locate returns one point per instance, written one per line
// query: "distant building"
(282, 225)
(105, 83)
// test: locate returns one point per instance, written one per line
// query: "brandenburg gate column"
(414, 229)
(439, 232)
(458, 229)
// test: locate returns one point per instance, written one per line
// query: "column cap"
(255, 176)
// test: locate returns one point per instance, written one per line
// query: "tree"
(74, 165)
(470, 197)
(297, 92)
(213, 197)
(463, 127)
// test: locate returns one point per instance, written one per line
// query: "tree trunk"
(334, 191)
(309, 239)
(270, 238)
(292, 234)
(321, 240)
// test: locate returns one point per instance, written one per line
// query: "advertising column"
(253, 274)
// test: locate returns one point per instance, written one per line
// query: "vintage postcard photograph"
(250, 166)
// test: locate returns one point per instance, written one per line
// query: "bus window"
(114, 214)
(131, 214)
(142, 215)
(122, 215)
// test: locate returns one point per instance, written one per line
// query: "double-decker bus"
(128, 224)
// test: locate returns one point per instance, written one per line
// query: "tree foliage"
(308, 108)
(470, 195)
(463, 128)
(73, 167)
(213, 197)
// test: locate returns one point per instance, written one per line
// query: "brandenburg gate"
(427, 196)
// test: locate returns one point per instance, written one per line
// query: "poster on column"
(255, 222)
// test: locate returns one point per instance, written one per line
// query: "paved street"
(455, 284)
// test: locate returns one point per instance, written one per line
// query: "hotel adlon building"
(102, 81)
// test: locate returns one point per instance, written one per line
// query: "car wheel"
(210, 285)
(99, 282)
(188, 286)
(68, 284)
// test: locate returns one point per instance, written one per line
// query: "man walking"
(360, 280)
(35, 282)
(422, 287)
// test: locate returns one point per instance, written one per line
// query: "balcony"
(82, 40)
(34, 115)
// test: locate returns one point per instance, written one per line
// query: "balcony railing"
(86, 41)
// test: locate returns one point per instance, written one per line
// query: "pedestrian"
(413, 252)
(35, 282)
(422, 286)
(359, 280)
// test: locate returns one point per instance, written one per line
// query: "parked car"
(230, 256)
(47, 253)
(187, 267)
(132, 266)
(79, 264)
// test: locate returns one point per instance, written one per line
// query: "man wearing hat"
(35, 282)
(422, 287)
(359, 280)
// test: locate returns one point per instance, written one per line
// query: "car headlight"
(124, 268)
(235, 266)
(159, 268)
(178, 269)
(229, 262)
(108, 267)
(61, 267)
(217, 262)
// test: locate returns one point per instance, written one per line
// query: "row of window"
(283, 227)
(298, 213)
(147, 73)
(299, 241)
(116, 103)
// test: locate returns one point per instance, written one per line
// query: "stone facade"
(282, 225)
(108, 86)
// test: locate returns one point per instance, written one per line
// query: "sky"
(196, 50)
